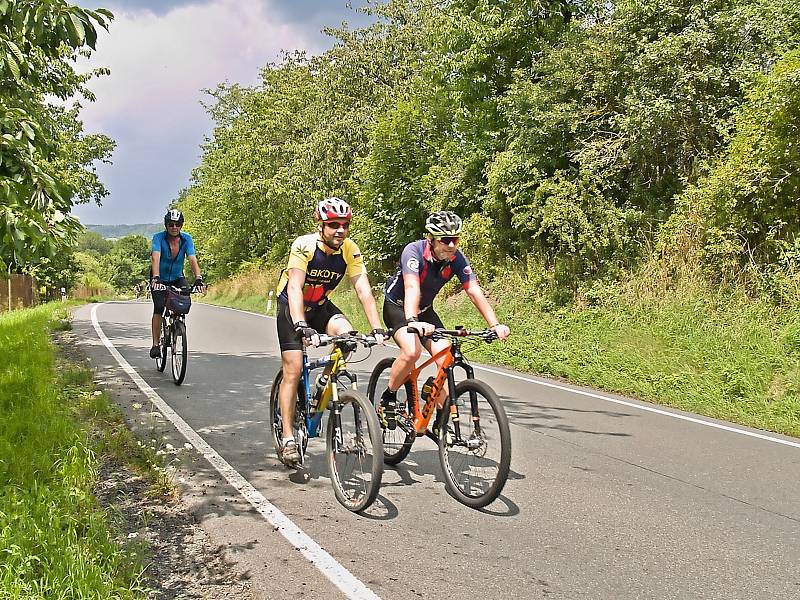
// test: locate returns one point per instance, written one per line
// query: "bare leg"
(410, 350)
(155, 325)
(292, 362)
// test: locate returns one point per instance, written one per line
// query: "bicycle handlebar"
(161, 287)
(487, 335)
(350, 336)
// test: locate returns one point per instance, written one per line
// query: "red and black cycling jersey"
(323, 271)
(417, 260)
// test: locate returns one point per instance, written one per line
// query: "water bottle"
(427, 388)
(319, 387)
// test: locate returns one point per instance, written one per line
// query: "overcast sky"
(162, 53)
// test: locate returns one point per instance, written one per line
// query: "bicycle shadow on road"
(541, 417)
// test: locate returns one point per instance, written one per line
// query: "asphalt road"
(606, 498)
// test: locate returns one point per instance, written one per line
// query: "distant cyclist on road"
(169, 249)
(424, 267)
(317, 263)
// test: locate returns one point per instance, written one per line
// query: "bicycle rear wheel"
(354, 450)
(161, 359)
(276, 423)
(396, 442)
(474, 444)
(180, 352)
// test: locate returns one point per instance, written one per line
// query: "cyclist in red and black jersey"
(424, 267)
(317, 263)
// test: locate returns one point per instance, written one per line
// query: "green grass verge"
(55, 540)
(720, 355)
(256, 304)
(717, 354)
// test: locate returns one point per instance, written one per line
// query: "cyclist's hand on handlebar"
(380, 335)
(502, 331)
(308, 334)
(421, 328)
(199, 286)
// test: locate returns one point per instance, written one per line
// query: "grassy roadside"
(717, 354)
(56, 541)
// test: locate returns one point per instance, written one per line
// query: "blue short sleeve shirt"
(171, 268)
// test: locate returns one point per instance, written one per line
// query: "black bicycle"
(173, 330)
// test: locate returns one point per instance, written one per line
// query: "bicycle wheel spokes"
(161, 360)
(475, 445)
(276, 424)
(354, 451)
(396, 442)
(180, 352)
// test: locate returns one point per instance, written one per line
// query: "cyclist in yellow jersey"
(317, 263)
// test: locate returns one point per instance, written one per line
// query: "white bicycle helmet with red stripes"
(333, 208)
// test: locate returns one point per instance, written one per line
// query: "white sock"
(286, 439)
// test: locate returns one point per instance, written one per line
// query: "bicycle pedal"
(406, 424)
(474, 443)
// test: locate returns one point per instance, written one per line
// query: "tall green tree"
(746, 209)
(39, 41)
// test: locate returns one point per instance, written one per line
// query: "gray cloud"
(161, 55)
(158, 7)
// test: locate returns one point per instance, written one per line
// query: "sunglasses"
(449, 239)
(336, 225)
(174, 224)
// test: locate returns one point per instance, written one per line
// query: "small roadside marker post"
(269, 302)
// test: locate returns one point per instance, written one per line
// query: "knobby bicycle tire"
(275, 423)
(354, 447)
(472, 476)
(180, 352)
(396, 443)
(161, 360)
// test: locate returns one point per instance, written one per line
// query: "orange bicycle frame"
(422, 414)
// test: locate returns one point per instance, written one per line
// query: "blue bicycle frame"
(313, 416)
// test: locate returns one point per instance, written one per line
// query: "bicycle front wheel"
(354, 451)
(180, 352)
(396, 442)
(474, 444)
(161, 359)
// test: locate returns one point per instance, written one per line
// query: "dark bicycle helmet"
(333, 208)
(443, 223)
(173, 215)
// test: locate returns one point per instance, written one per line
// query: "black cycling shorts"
(317, 318)
(160, 296)
(395, 317)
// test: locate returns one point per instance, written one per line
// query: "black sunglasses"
(174, 224)
(449, 239)
(338, 225)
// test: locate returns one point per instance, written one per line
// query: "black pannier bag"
(178, 303)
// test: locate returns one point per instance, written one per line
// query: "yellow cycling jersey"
(323, 271)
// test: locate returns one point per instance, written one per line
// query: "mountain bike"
(353, 435)
(173, 330)
(471, 430)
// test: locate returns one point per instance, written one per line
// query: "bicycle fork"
(475, 440)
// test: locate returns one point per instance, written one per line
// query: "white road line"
(658, 411)
(651, 409)
(324, 562)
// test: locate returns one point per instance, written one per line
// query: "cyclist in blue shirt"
(424, 267)
(169, 250)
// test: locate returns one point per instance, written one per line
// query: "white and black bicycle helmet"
(173, 216)
(333, 208)
(443, 223)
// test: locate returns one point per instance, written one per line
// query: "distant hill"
(113, 232)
